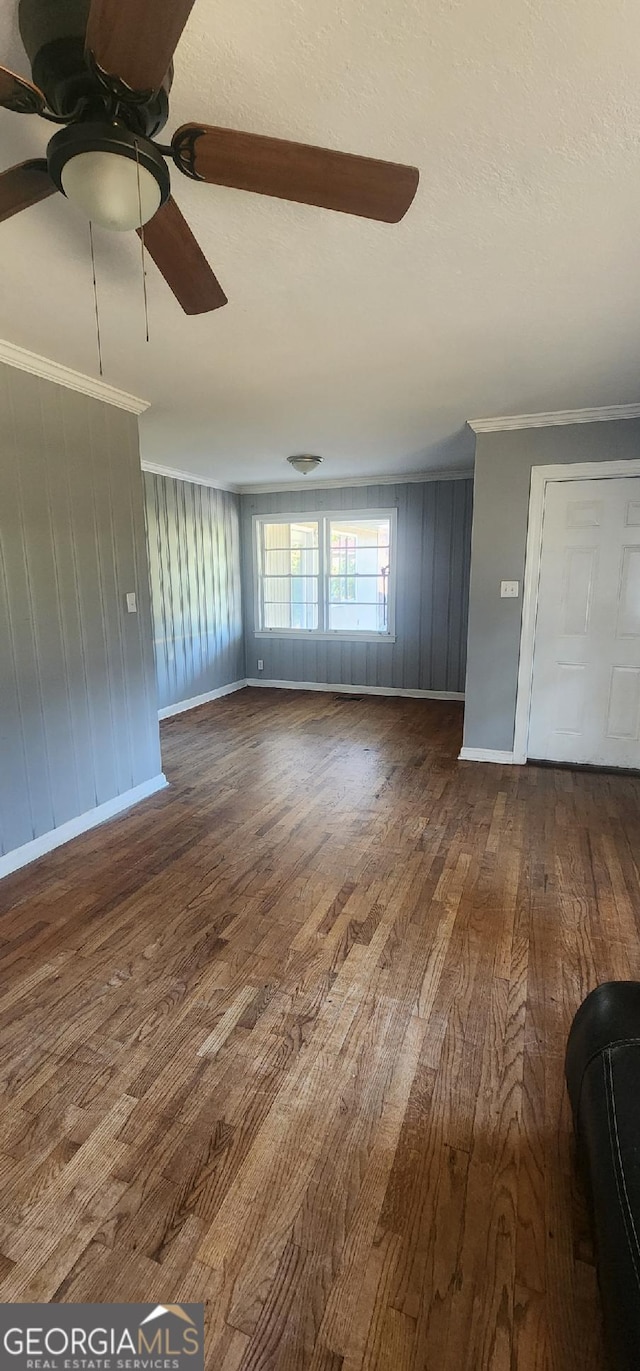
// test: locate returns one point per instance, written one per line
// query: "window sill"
(313, 635)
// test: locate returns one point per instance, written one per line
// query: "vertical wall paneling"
(193, 534)
(78, 713)
(433, 552)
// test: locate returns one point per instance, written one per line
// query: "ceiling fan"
(103, 70)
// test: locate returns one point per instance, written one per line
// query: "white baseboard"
(21, 856)
(183, 705)
(486, 754)
(341, 689)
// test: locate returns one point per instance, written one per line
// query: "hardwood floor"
(288, 1039)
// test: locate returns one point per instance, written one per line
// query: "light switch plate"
(509, 590)
(132, 607)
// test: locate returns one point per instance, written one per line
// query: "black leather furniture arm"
(603, 1077)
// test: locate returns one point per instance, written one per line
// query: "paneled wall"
(434, 536)
(78, 713)
(194, 564)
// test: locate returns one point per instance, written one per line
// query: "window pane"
(363, 532)
(291, 562)
(290, 615)
(280, 590)
(358, 617)
(291, 601)
(362, 590)
(298, 534)
(361, 561)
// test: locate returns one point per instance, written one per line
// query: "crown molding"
(336, 483)
(176, 475)
(346, 482)
(14, 356)
(601, 415)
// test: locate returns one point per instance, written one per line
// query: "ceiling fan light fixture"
(105, 69)
(105, 186)
(304, 462)
(119, 180)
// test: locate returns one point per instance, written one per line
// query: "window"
(326, 574)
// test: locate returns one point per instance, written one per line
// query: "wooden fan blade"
(134, 40)
(175, 252)
(296, 171)
(19, 95)
(24, 185)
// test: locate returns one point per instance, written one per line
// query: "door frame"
(540, 478)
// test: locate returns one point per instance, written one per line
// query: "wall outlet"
(260, 664)
(132, 607)
(509, 590)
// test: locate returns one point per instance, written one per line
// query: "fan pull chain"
(95, 296)
(142, 249)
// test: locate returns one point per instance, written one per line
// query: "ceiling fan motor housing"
(53, 34)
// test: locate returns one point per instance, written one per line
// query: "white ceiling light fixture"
(117, 178)
(304, 462)
(105, 186)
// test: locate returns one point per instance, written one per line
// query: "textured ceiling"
(513, 284)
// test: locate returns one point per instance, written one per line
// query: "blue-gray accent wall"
(434, 544)
(78, 714)
(193, 536)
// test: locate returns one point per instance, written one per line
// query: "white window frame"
(318, 516)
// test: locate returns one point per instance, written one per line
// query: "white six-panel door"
(585, 700)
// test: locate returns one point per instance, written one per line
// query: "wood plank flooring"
(288, 1039)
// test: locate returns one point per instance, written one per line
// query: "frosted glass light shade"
(304, 462)
(105, 186)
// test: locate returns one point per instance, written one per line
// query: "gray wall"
(194, 565)
(501, 506)
(78, 721)
(434, 527)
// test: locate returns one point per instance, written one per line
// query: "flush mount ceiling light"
(304, 463)
(118, 178)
